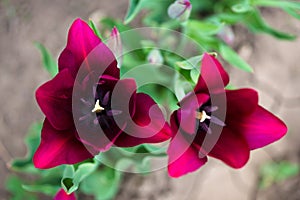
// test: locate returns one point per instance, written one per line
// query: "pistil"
(202, 116)
(97, 107)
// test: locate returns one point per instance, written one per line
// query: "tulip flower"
(62, 195)
(88, 108)
(180, 9)
(219, 123)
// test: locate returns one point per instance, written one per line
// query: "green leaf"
(292, 12)
(276, 172)
(32, 141)
(48, 61)
(190, 63)
(203, 27)
(135, 6)
(71, 178)
(194, 73)
(233, 58)
(102, 184)
(14, 185)
(276, 3)
(46, 189)
(256, 24)
(241, 8)
(95, 29)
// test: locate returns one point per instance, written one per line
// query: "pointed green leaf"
(233, 58)
(72, 178)
(46, 189)
(134, 8)
(256, 24)
(190, 63)
(48, 61)
(95, 29)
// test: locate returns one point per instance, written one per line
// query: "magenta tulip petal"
(261, 128)
(54, 98)
(183, 157)
(114, 43)
(231, 148)
(58, 147)
(240, 103)
(62, 195)
(186, 114)
(85, 49)
(213, 77)
(145, 130)
(81, 41)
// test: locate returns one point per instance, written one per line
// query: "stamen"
(202, 116)
(97, 108)
(217, 121)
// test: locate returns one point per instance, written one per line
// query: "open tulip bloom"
(80, 124)
(220, 123)
(89, 109)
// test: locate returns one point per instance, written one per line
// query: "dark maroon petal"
(183, 157)
(62, 195)
(58, 147)
(145, 129)
(261, 128)
(84, 49)
(123, 98)
(241, 103)
(186, 115)
(55, 100)
(213, 77)
(102, 131)
(100, 134)
(231, 148)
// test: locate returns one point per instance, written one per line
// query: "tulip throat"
(97, 108)
(202, 116)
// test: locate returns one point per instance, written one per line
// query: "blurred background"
(272, 173)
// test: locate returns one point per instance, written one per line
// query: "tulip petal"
(81, 41)
(85, 49)
(55, 100)
(231, 148)
(145, 129)
(261, 128)
(102, 131)
(213, 77)
(115, 45)
(62, 195)
(186, 114)
(240, 103)
(58, 147)
(183, 156)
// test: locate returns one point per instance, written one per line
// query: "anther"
(202, 116)
(97, 108)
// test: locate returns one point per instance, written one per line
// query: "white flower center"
(202, 116)
(97, 107)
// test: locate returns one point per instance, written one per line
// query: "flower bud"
(180, 9)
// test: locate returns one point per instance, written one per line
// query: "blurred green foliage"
(276, 172)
